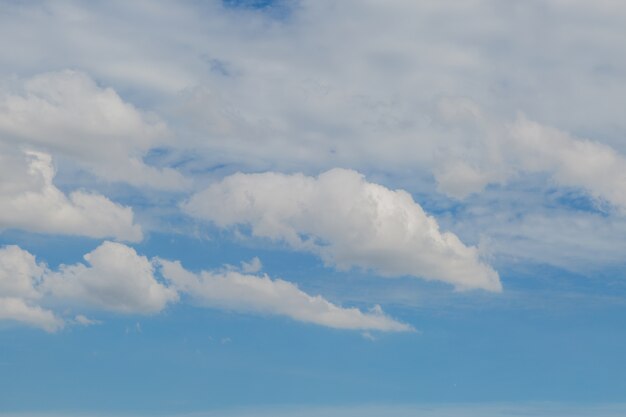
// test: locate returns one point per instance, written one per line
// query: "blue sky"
(250, 208)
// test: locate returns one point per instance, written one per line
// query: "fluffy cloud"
(18, 310)
(348, 221)
(233, 290)
(116, 279)
(29, 200)
(20, 276)
(69, 114)
(119, 280)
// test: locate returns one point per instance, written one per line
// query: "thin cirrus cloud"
(29, 200)
(68, 113)
(114, 278)
(233, 290)
(347, 221)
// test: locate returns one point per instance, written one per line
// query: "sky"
(312, 208)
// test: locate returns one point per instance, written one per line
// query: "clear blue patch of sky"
(190, 358)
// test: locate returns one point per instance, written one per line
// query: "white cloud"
(233, 290)
(312, 92)
(251, 267)
(29, 200)
(116, 279)
(67, 113)
(307, 92)
(590, 165)
(502, 151)
(346, 220)
(18, 310)
(581, 241)
(20, 275)
(85, 321)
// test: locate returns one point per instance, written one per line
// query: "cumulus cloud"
(29, 200)
(233, 290)
(348, 221)
(115, 279)
(18, 310)
(67, 113)
(20, 276)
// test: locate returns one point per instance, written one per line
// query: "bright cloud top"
(233, 290)
(347, 221)
(29, 200)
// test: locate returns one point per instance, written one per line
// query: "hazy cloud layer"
(346, 220)
(69, 114)
(309, 91)
(502, 151)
